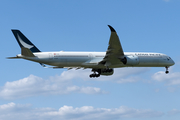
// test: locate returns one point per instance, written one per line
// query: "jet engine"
(130, 60)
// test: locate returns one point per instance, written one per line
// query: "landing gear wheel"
(94, 75)
(97, 73)
(167, 70)
(90, 76)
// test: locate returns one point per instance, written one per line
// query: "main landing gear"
(94, 75)
(97, 73)
(167, 70)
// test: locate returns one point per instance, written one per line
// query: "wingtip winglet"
(111, 28)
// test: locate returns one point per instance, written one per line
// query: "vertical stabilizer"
(24, 42)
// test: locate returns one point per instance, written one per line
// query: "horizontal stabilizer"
(13, 57)
(26, 52)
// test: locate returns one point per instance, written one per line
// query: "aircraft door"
(90, 56)
(51, 56)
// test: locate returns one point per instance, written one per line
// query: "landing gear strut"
(167, 70)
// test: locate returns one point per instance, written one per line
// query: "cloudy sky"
(30, 92)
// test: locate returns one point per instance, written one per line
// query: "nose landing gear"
(167, 70)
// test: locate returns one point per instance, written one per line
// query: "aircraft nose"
(172, 62)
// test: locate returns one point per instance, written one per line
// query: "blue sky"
(29, 91)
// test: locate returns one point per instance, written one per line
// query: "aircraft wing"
(114, 51)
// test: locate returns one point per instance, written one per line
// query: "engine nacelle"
(130, 60)
(107, 72)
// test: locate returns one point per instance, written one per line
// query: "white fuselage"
(91, 59)
(101, 63)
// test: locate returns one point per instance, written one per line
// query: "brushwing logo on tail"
(23, 43)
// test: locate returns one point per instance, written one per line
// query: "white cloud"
(125, 75)
(121, 75)
(33, 85)
(62, 84)
(26, 112)
(170, 79)
(174, 112)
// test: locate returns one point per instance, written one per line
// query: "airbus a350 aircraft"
(101, 63)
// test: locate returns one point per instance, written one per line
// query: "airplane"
(101, 63)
